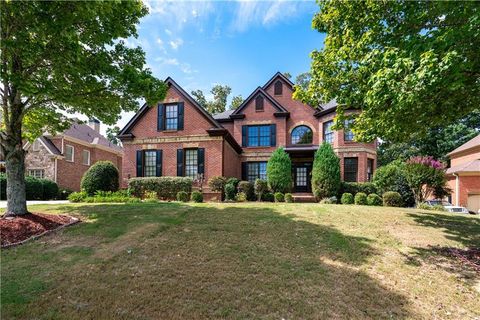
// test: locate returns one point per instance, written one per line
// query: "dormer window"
(277, 89)
(259, 103)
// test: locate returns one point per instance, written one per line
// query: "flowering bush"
(426, 176)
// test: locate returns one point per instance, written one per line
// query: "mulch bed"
(469, 257)
(16, 230)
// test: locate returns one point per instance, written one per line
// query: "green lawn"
(291, 261)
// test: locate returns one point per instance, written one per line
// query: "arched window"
(259, 103)
(302, 135)
(277, 89)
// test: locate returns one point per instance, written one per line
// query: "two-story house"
(178, 137)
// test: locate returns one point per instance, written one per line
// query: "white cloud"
(167, 31)
(183, 66)
(175, 44)
(160, 41)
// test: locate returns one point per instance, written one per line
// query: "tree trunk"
(15, 167)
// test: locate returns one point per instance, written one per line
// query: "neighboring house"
(65, 157)
(464, 175)
(179, 138)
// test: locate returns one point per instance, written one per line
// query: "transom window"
(256, 170)
(302, 135)
(348, 134)
(258, 136)
(328, 132)
(150, 163)
(86, 157)
(171, 117)
(191, 163)
(37, 173)
(69, 153)
(350, 169)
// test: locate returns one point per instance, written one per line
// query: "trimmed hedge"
(230, 191)
(268, 197)
(247, 188)
(50, 189)
(196, 196)
(101, 176)
(33, 188)
(361, 199)
(356, 187)
(165, 187)
(288, 198)
(3, 186)
(182, 196)
(374, 199)
(279, 197)
(217, 184)
(261, 186)
(347, 198)
(36, 189)
(392, 199)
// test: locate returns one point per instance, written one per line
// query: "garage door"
(473, 203)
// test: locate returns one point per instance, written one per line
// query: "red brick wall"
(467, 185)
(231, 162)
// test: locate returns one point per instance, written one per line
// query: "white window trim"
(88, 162)
(30, 171)
(36, 144)
(73, 153)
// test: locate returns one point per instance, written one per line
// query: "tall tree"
(408, 65)
(112, 135)
(219, 103)
(236, 102)
(303, 80)
(65, 57)
(287, 75)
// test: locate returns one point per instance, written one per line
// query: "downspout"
(55, 172)
(457, 189)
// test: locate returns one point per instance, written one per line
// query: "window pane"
(259, 136)
(253, 136)
(171, 117)
(256, 170)
(86, 157)
(350, 166)
(37, 173)
(348, 134)
(263, 170)
(328, 132)
(369, 169)
(150, 163)
(68, 153)
(302, 135)
(191, 163)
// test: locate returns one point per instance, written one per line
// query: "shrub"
(247, 188)
(288, 197)
(261, 186)
(150, 195)
(33, 188)
(241, 197)
(234, 181)
(279, 168)
(3, 186)
(347, 198)
(361, 199)
(77, 196)
(102, 175)
(64, 193)
(182, 196)
(217, 184)
(330, 200)
(165, 187)
(279, 197)
(374, 199)
(439, 207)
(196, 196)
(50, 189)
(230, 191)
(424, 206)
(268, 197)
(325, 172)
(391, 177)
(392, 199)
(355, 187)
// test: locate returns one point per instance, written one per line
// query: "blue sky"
(240, 44)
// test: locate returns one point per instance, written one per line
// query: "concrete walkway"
(3, 204)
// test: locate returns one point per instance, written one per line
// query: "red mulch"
(469, 257)
(16, 229)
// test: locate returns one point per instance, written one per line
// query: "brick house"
(65, 157)
(178, 137)
(464, 175)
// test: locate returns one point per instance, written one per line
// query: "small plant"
(361, 199)
(347, 198)
(439, 207)
(241, 197)
(230, 191)
(268, 197)
(196, 196)
(247, 188)
(331, 200)
(149, 195)
(392, 199)
(279, 197)
(217, 184)
(182, 196)
(374, 199)
(77, 196)
(261, 186)
(288, 198)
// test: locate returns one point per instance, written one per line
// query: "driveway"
(3, 204)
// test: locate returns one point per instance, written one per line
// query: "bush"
(50, 189)
(268, 197)
(247, 188)
(102, 175)
(33, 188)
(217, 184)
(391, 177)
(165, 187)
(330, 200)
(361, 199)
(356, 187)
(439, 207)
(261, 186)
(374, 199)
(182, 196)
(230, 191)
(234, 181)
(325, 172)
(3, 186)
(347, 198)
(288, 197)
(77, 196)
(150, 195)
(63, 193)
(241, 197)
(196, 196)
(279, 197)
(392, 199)
(424, 206)
(279, 168)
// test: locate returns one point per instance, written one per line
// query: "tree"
(325, 172)
(219, 103)
(425, 176)
(236, 102)
(392, 177)
(303, 80)
(279, 168)
(287, 75)
(66, 57)
(200, 98)
(112, 135)
(408, 65)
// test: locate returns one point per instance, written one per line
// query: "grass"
(250, 260)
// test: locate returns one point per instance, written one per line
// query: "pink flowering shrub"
(427, 161)
(426, 176)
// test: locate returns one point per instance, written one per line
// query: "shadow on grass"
(211, 262)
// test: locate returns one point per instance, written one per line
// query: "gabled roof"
(85, 133)
(254, 94)
(275, 76)
(223, 115)
(475, 142)
(327, 108)
(472, 166)
(51, 148)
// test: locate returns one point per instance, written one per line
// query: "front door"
(302, 177)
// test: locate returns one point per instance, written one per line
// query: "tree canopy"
(408, 65)
(219, 103)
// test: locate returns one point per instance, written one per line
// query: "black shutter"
(180, 116)
(244, 136)
(273, 135)
(244, 171)
(139, 163)
(201, 160)
(180, 162)
(158, 168)
(160, 117)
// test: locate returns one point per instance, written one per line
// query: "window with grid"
(259, 103)
(171, 117)
(369, 169)
(256, 170)
(302, 135)
(258, 136)
(328, 132)
(191, 163)
(150, 163)
(350, 169)
(37, 173)
(86, 157)
(347, 132)
(69, 153)
(277, 90)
